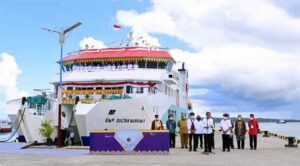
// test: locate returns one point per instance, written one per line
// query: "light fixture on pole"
(61, 34)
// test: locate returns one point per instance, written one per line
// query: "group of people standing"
(197, 132)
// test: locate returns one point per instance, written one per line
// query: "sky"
(243, 56)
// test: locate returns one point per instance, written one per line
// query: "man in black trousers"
(208, 125)
(192, 135)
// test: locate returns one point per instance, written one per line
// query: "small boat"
(5, 126)
(281, 121)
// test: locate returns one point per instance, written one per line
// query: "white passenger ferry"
(111, 88)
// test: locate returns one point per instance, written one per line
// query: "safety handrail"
(97, 91)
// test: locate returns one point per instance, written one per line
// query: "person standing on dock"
(253, 131)
(226, 126)
(171, 126)
(231, 133)
(157, 123)
(208, 125)
(191, 130)
(240, 132)
(64, 128)
(183, 130)
(199, 130)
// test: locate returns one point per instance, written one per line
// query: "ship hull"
(127, 114)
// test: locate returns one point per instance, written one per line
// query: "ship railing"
(97, 91)
(40, 109)
(92, 96)
(94, 99)
(105, 68)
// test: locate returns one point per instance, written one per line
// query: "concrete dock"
(271, 151)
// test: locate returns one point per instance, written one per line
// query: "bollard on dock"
(266, 134)
(291, 142)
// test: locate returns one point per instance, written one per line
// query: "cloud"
(245, 53)
(90, 42)
(253, 73)
(202, 23)
(9, 72)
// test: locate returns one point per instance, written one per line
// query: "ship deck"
(271, 151)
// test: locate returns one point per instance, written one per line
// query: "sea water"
(289, 129)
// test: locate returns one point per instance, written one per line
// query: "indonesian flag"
(116, 27)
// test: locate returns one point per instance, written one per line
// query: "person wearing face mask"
(157, 123)
(240, 132)
(171, 126)
(253, 131)
(208, 125)
(225, 126)
(191, 130)
(199, 131)
(231, 133)
(183, 131)
(64, 128)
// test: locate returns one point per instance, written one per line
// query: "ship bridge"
(113, 73)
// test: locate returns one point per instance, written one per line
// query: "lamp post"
(61, 34)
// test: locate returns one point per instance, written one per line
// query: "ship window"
(140, 90)
(117, 88)
(129, 89)
(166, 89)
(111, 112)
(69, 88)
(98, 88)
(161, 65)
(141, 64)
(152, 65)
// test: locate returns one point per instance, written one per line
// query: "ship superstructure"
(111, 88)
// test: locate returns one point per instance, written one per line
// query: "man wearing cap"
(157, 123)
(208, 125)
(226, 126)
(240, 132)
(183, 130)
(253, 131)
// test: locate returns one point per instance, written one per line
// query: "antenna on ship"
(62, 33)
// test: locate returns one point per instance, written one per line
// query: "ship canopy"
(122, 54)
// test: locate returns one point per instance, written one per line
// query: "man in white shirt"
(191, 131)
(208, 125)
(199, 130)
(63, 128)
(226, 126)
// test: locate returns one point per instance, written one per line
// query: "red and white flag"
(116, 27)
